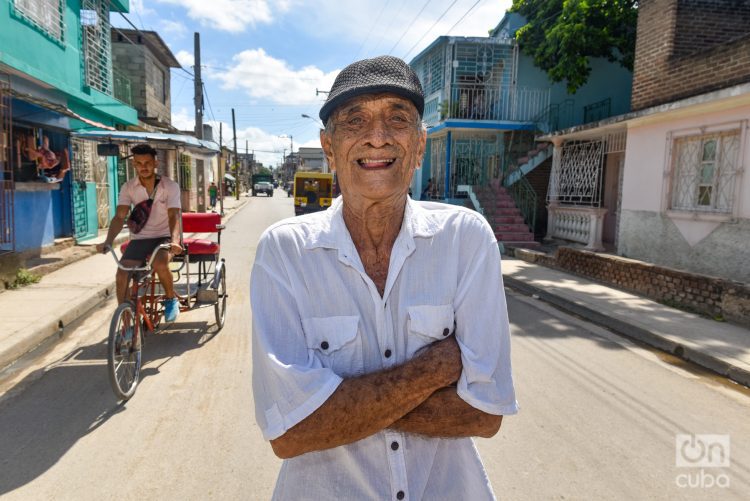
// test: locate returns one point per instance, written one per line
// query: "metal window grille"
(473, 160)
(577, 175)
(704, 172)
(47, 15)
(7, 240)
(97, 53)
(185, 163)
(437, 164)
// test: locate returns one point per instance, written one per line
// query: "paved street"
(599, 415)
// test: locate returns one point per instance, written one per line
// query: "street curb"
(52, 331)
(630, 331)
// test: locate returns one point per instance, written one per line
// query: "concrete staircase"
(504, 217)
(528, 162)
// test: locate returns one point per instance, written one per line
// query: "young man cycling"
(162, 226)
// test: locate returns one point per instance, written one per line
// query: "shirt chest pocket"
(336, 343)
(427, 324)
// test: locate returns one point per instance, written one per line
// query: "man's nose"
(379, 134)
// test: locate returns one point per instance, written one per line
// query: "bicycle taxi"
(199, 274)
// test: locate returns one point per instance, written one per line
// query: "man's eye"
(355, 121)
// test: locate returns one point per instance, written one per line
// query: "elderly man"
(380, 330)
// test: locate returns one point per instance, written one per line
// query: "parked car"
(263, 187)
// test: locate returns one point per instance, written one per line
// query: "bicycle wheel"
(124, 351)
(220, 307)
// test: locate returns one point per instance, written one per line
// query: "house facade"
(674, 166)
(55, 78)
(485, 104)
(142, 63)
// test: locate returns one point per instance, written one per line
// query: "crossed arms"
(416, 397)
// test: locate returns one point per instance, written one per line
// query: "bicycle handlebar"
(139, 268)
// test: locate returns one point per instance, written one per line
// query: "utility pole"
(198, 87)
(247, 159)
(221, 172)
(236, 174)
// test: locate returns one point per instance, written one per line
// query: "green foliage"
(264, 170)
(561, 35)
(23, 278)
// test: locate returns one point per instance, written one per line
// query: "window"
(704, 172)
(97, 54)
(47, 15)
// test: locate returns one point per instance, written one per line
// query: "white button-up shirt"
(319, 318)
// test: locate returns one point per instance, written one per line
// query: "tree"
(562, 35)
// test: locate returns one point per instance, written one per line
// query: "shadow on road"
(74, 398)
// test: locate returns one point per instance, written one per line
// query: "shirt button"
(387, 353)
(394, 445)
(446, 331)
(324, 345)
(400, 495)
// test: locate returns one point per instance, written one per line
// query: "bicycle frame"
(146, 305)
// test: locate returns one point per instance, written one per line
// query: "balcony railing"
(503, 103)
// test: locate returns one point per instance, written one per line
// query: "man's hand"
(175, 249)
(103, 248)
(445, 358)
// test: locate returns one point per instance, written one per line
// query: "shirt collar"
(333, 233)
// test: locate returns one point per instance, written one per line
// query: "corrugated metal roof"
(176, 140)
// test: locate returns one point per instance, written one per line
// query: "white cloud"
(231, 15)
(183, 120)
(137, 8)
(173, 28)
(267, 78)
(185, 59)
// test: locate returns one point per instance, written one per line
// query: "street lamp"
(314, 120)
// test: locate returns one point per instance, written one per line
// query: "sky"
(266, 58)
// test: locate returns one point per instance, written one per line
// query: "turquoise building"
(56, 78)
(486, 102)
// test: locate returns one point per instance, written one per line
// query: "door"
(201, 181)
(611, 200)
(83, 196)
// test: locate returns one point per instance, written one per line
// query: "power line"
(210, 109)
(408, 26)
(430, 29)
(462, 17)
(372, 27)
(140, 32)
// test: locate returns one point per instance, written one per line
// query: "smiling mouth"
(375, 163)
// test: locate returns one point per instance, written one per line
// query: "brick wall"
(689, 291)
(689, 47)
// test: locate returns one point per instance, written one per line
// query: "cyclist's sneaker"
(125, 341)
(171, 309)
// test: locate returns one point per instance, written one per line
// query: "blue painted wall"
(34, 219)
(607, 80)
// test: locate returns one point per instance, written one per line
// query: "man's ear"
(325, 143)
(422, 145)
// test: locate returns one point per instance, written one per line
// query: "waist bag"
(141, 211)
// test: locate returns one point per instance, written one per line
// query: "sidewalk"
(719, 346)
(38, 314)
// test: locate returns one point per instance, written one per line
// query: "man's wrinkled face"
(145, 165)
(375, 143)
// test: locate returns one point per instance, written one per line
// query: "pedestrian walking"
(213, 191)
